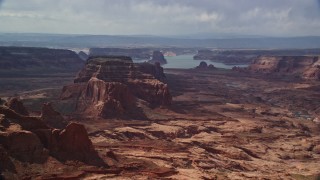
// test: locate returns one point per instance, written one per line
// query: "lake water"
(187, 62)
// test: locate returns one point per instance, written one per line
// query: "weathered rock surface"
(16, 105)
(28, 140)
(109, 86)
(24, 146)
(106, 99)
(312, 73)
(307, 67)
(157, 56)
(52, 117)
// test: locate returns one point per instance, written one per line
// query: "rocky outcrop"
(51, 117)
(110, 86)
(71, 143)
(203, 65)
(307, 67)
(16, 105)
(155, 70)
(28, 139)
(24, 146)
(313, 73)
(74, 138)
(157, 57)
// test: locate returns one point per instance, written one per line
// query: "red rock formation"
(281, 64)
(152, 91)
(74, 139)
(108, 86)
(313, 73)
(52, 117)
(27, 139)
(307, 67)
(106, 99)
(16, 105)
(24, 146)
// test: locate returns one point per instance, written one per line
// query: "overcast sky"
(162, 17)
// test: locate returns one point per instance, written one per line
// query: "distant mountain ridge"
(32, 60)
(82, 41)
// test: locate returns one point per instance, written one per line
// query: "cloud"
(165, 17)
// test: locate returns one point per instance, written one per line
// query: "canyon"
(116, 119)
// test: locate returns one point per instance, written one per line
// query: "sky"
(162, 17)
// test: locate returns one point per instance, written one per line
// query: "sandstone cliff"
(110, 87)
(307, 67)
(245, 56)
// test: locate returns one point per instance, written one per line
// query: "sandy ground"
(221, 125)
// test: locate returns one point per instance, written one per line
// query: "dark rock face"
(16, 105)
(51, 117)
(24, 146)
(157, 57)
(82, 55)
(155, 70)
(211, 66)
(203, 65)
(29, 58)
(6, 163)
(110, 86)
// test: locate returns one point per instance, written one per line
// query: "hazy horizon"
(287, 18)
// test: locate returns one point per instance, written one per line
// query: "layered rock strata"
(307, 67)
(110, 86)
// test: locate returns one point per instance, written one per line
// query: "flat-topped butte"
(106, 59)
